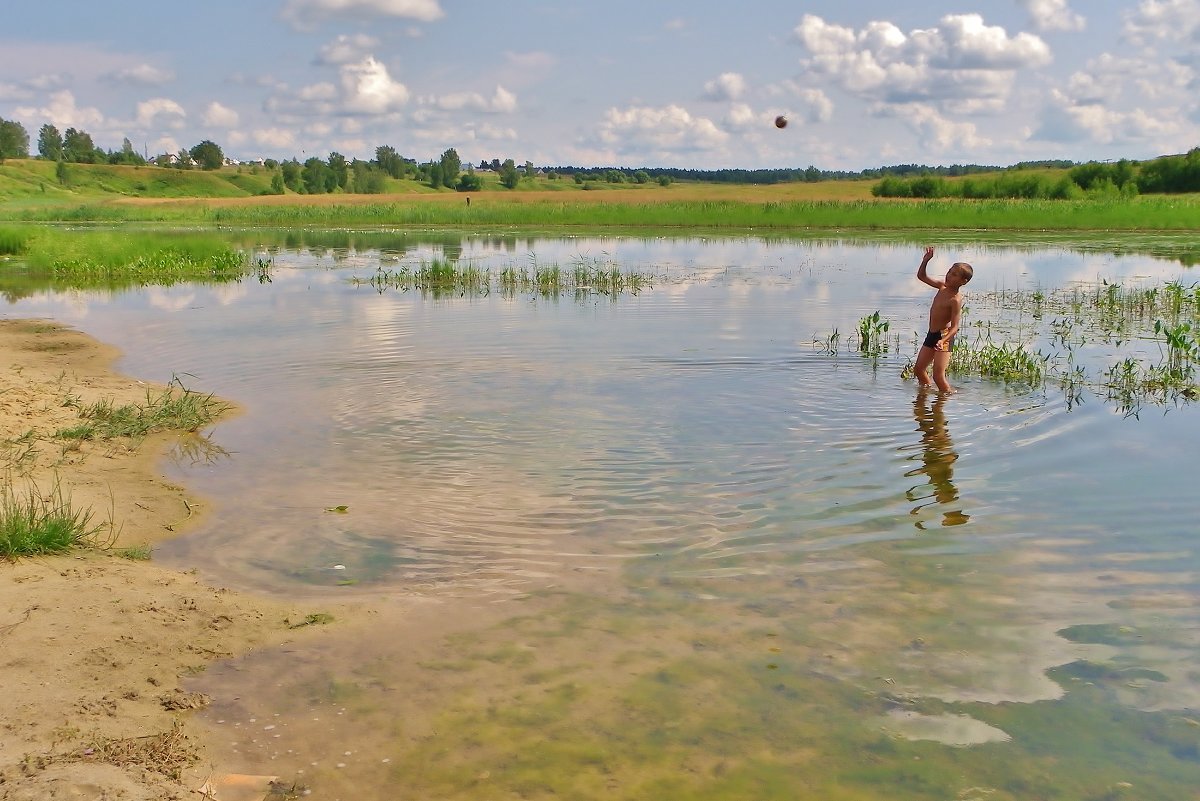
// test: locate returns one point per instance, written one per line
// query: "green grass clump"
(113, 259)
(176, 408)
(35, 523)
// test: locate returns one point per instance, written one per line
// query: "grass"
(444, 278)
(83, 259)
(36, 523)
(176, 408)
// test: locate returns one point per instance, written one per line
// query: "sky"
(658, 83)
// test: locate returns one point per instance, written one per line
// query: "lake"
(671, 544)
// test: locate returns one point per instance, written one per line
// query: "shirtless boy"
(945, 314)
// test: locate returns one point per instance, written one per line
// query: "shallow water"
(663, 546)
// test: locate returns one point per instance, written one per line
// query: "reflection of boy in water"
(937, 456)
(945, 314)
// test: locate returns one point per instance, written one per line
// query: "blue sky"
(668, 83)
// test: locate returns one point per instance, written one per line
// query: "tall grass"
(33, 523)
(444, 278)
(111, 258)
(624, 210)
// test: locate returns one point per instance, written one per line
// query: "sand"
(93, 646)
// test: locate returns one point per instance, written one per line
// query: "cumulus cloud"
(303, 12)
(11, 91)
(1053, 15)
(368, 88)
(662, 129)
(160, 111)
(725, 87)
(141, 75)
(1108, 78)
(219, 116)
(501, 101)
(1066, 120)
(278, 138)
(962, 58)
(345, 49)
(62, 112)
(740, 117)
(1163, 20)
(936, 132)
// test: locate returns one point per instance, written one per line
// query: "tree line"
(1166, 174)
(1123, 178)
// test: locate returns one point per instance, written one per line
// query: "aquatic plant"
(871, 331)
(441, 277)
(115, 259)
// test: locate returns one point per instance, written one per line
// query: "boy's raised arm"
(933, 282)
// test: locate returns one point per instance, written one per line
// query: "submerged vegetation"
(84, 259)
(443, 278)
(1060, 336)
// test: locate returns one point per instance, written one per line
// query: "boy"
(945, 313)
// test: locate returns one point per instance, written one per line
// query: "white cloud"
(936, 132)
(741, 117)
(666, 129)
(165, 144)
(725, 87)
(160, 111)
(345, 49)
(1163, 20)
(676, 24)
(317, 92)
(817, 106)
(141, 75)
(11, 91)
(1066, 120)
(368, 88)
(308, 11)
(963, 58)
(219, 116)
(501, 101)
(278, 138)
(47, 81)
(62, 112)
(1053, 15)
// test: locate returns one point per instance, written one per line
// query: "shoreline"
(94, 647)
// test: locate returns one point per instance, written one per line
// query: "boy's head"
(959, 273)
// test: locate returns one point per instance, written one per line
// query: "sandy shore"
(93, 645)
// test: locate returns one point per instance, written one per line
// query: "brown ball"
(781, 121)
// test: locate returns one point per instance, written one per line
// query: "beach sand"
(93, 646)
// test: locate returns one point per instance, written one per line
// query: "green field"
(31, 192)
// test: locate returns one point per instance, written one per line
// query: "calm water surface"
(662, 546)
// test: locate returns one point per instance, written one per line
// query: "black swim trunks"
(934, 340)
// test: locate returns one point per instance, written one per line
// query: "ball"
(781, 121)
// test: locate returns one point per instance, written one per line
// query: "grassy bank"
(633, 210)
(114, 259)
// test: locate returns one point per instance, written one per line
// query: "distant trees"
(290, 170)
(509, 177)
(50, 143)
(14, 140)
(207, 155)
(450, 165)
(79, 148)
(470, 181)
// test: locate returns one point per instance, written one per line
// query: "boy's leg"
(921, 370)
(941, 360)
